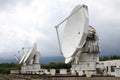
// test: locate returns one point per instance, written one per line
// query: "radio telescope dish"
(79, 42)
(75, 32)
(23, 54)
(30, 54)
(67, 60)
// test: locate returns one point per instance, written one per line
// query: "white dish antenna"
(22, 54)
(30, 53)
(27, 55)
(75, 32)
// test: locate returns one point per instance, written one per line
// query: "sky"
(23, 22)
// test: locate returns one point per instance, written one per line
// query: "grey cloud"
(107, 29)
(7, 4)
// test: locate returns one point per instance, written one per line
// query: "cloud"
(20, 24)
(24, 21)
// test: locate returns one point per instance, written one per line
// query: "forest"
(6, 67)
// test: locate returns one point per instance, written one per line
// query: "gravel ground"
(38, 77)
(82, 78)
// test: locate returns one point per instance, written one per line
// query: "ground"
(44, 77)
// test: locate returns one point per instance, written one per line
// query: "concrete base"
(83, 69)
(31, 69)
(23, 69)
(80, 72)
(36, 67)
(88, 73)
(117, 72)
(52, 71)
(73, 72)
(63, 71)
(45, 71)
(14, 71)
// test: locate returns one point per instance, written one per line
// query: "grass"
(1, 77)
(38, 79)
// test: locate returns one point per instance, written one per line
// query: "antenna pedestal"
(30, 69)
(85, 63)
(23, 69)
(36, 67)
(31, 65)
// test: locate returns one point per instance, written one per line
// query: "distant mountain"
(46, 60)
(43, 60)
(8, 60)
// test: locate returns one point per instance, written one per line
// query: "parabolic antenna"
(30, 54)
(23, 54)
(75, 32)
(26, 54)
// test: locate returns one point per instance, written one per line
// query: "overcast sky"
(23, 22)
